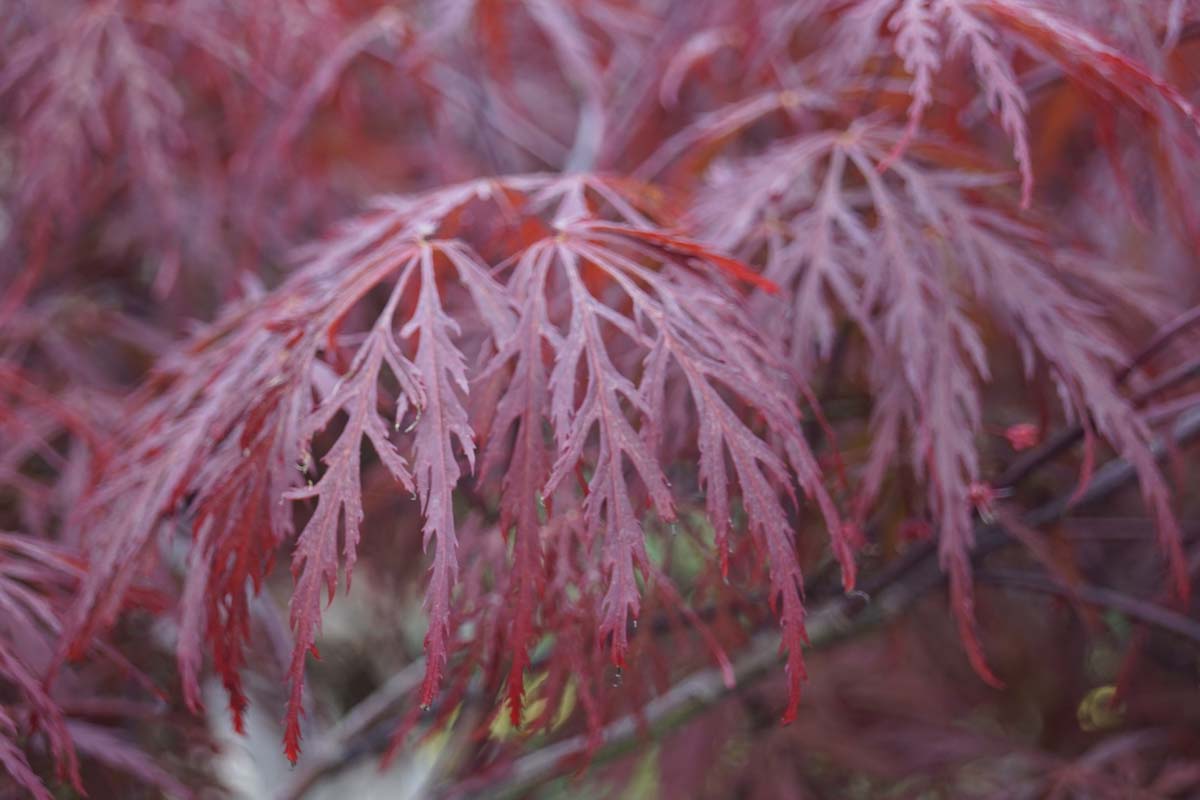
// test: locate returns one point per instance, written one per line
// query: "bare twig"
(329, 751)
(1133, 607)
(1160, 340)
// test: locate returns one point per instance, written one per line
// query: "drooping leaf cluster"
(588, 285)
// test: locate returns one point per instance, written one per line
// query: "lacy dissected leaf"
(14, 762)
(33, 421)
(815, 257)
(593, 297)
(917, 44)
(522, 407)
(86, 83)
(910, 260)
(35, 581)
(228, 431)
(592, 327)
(928, 32)
(443, 422)
(1018, 277)
(432, 383)
(41, 706)
(1003, 93)
(1086, 56)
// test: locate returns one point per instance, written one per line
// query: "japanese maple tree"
(609, 356)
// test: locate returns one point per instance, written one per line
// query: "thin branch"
(1133, 607)
(330, 751)
(1161, 339)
